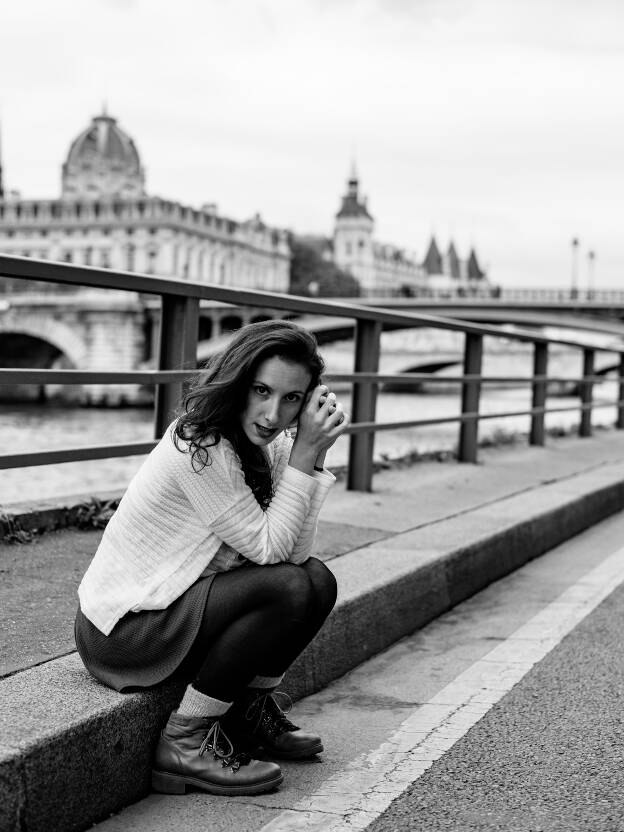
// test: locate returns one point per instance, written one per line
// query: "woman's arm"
(303, 547)
(320, 424)
(225, 503)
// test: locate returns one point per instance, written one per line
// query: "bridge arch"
(69, 342)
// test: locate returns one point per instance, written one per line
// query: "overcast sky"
(499, 123)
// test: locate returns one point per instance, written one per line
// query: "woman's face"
(275, 397)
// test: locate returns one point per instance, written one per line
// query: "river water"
(48, 426)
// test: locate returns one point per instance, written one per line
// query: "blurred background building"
(104, 217)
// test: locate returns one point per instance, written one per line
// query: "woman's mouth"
(263, 433)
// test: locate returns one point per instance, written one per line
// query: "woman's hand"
(321, 421)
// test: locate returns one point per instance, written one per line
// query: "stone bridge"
(104, 330)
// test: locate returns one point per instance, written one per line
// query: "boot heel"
(167, 783)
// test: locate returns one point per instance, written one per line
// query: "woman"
(205, 568)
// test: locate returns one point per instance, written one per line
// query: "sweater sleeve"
(324, 480)
(221, 497)
(305, 541)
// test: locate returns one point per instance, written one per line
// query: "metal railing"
(178, 349)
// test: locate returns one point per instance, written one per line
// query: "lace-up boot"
(256, 720)
(197, 752)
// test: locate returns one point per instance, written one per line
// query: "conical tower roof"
(432, 263)
(352, 204)
(474, 270)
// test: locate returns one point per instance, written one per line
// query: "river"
(48, 426)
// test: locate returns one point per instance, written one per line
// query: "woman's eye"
(260, 390)
(293, 397)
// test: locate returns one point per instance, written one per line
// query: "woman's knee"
(293, 591)
(323, 583)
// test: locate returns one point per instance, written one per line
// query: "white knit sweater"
(174, 524)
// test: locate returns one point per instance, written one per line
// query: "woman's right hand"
(321, 421)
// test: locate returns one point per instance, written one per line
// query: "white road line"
(354, 797)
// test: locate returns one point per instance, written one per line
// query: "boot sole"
(294, 755)
(167, 783)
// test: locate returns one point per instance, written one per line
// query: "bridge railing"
(177, 363)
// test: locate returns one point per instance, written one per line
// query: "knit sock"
(197, 704)
(266, 682)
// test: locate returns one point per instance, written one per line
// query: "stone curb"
(73, 751)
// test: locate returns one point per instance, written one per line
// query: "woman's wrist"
(303, 459)
(319, 462)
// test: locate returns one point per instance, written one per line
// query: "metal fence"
(177, 362)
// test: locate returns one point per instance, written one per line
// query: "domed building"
(104, 217)
(103, 162)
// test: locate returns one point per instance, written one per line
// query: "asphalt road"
(549, 756)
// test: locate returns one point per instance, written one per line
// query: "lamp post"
(574, 281)
(591, 259)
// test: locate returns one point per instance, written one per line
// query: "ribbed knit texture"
(175, 524)
(198, 704)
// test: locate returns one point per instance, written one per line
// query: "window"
(68, 256)
(152, 254)
(130, 252)
(348, 249)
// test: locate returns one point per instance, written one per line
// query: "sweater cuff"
(300, 480)
(325, 477)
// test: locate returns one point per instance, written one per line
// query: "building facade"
(104, 217)
(382, 268)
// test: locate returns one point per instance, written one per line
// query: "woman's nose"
(271, 413)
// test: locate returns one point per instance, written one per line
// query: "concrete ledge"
(73, 751)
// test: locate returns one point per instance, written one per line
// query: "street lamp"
(591, 259)
(574, 281)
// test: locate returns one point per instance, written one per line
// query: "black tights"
(258, 620)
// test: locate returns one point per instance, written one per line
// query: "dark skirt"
(144, 648)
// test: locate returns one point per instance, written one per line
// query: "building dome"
(103, 162)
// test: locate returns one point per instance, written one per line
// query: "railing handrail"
(179, 315)
(53, 272)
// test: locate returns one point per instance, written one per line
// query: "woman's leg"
(247, 614)
(322, 599)
(256, 718)
(256, 617)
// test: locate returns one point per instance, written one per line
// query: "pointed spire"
(432, 263)
(352, 182)
(352, 204)
(353, 176)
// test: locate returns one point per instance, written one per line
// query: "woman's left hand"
(321, 421)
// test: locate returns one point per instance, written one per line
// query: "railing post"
(177, 350)
(619, 422)
(471, 392)
(586, 393)
(360, 474)
(540, 365)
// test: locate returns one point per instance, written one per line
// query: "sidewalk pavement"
(429, 536)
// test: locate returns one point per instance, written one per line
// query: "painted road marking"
(354, 797)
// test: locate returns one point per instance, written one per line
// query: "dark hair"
(213, 406)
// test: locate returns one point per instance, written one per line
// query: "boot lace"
(267, 712)
(217, 741)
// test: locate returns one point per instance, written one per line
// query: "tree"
(312, 275)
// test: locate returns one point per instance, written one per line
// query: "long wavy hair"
(213, 407)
